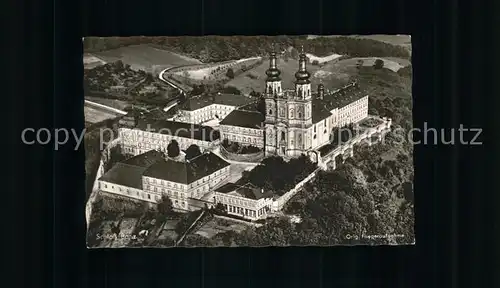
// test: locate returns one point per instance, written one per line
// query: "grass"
(145, 57)
(93, 115)
(117, 104)
(247, 84)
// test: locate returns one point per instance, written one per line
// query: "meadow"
(145, 57)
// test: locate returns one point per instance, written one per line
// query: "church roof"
(319, 111)
(199, 102)
(242, 118)
(186, 172)
(180, 129)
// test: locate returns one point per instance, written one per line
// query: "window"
(282, 135)
(270, 112)
(149, 196)
(105, 186)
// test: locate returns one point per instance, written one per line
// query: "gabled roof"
(145, 159)
(198, 102)
(248, 191)
(180, 129)
(241, 118)
(342, 97)
(125, 175)
(186, 172)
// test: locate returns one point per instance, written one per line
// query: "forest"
(210, 49)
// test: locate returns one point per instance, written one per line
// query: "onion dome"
(273, 73)
(302, 75)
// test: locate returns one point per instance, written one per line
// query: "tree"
(192, 151)
(315, 62)
(359, 63)
(231, 90)
(220, 208)
(379, 64)
(173, 149)
(165, 206)
(230, 73)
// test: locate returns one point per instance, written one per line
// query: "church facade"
(299, 120)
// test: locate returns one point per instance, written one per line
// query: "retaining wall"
(281, 201)
(250, 158)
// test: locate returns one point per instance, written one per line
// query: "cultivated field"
(94, 115)
(145, 57)
(211, 73)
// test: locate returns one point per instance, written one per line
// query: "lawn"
(145, 57)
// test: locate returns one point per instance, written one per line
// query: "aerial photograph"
(248, 141)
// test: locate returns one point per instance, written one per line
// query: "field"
(145, 57)
(91, 61)
(211, 73)
(246, 84)
(117, 104)
(392, 63)
(322, 59)
(94, 115)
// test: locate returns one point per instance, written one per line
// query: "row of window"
(240, 130)
(234, 201)
(245, 212)
(134, 193)
(243, 139)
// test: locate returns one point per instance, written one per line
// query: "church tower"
(288, 115)
(300, 111)
(275, 107)
(302, 82)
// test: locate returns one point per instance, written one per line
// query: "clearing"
(146, 57)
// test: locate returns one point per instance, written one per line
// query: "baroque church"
(298, 120)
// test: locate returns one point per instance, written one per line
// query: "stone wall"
(250, 158)
(281, 201)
